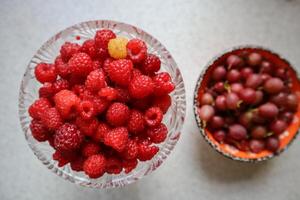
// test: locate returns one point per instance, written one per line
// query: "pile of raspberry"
(101, 104)
(248, 101)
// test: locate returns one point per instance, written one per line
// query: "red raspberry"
(38, 107)
(68, 49)
(135, 73)
(89, 149)
(66, 103)
(77, 164)
(102, 130)
(88, 47)
(61, 67)
(81, 64)
(142, 104)
(62, 160)
(68, 138)
(163, 84)
(151, 64)
(94, 166)
(113, 165)
(87, 127)
(108, 93)
(158, 134)
(106, 64)
(86, 109)
(117, 138)
(146, 151)
(153, 116)
(45, 72)
(136, 122)
(136, 50)
(95, 80)
(100, 104)
(141, 87)
(60, 84)
(120, 71)
(51, 140)
(131, 150)
(78, 90)
(46, 90)
(39, 131)
(102, 53)
(122, 95)
(102, 38)
(163, 102)
(129, 165)
(51, 118)
(117, 114)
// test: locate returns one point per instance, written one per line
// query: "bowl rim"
(130, 178)
(198, 120)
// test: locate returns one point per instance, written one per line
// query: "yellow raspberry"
(117, 47)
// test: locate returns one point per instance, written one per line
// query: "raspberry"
(141, 87)
(62, 161)
(51, 140)
(100, 104)
(87, 127)
(94, 166)
(151, 64)
(38, 130)
(61, 67)
(120, 71)
(46, 90)
(66, 103)
(102, 53)
(117, 138)
(131, 150)
(86, 109)
(136, 122)
(108, 93)
(51, 118)
(146, 151)
(117, 114)
(141, 104)
(135, 73)
(117, 47)
(113, 165)
(102, 130)
(102, 38)
(68, 49)
(136, 50)
(129, 165)
(88, 47)
(78, 90)
(162, 84)
(77, 164)
(153, 116)
(45, 72)
(163, 102)
(60, 84)
(80, 64)
(95, 80)
(157, 134)
(67, 138)
(122, 95)
(89, 149)
(38, 107)
(106, 64)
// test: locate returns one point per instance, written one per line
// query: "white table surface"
(193, 31)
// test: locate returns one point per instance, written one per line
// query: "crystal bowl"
(227, 150)
(78, 33)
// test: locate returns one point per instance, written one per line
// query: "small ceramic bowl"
(78, 33)
(227, 150)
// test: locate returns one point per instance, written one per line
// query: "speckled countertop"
(193, 31)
